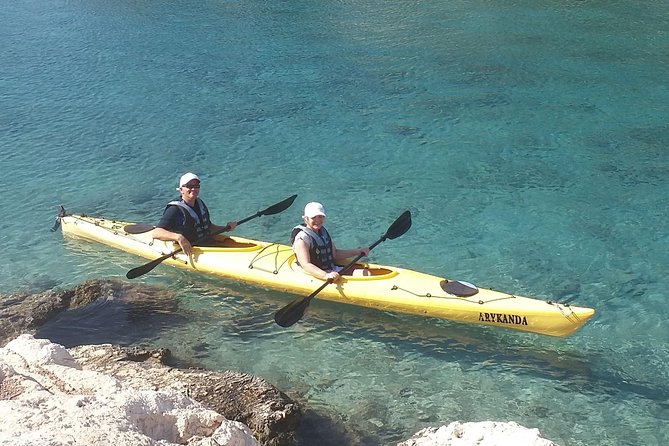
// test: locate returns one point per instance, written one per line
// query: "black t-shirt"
(174, 220)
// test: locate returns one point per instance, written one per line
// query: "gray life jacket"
(320, 248)
(194, 228)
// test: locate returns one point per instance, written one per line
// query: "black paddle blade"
(61, 214)
(138, 228)
(143, 269)
(279, 207)
(292, 312)
(399, 226)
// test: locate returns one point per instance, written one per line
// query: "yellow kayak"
(389, 288)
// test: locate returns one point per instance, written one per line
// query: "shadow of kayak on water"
(473, 347)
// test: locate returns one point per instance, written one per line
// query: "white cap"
(313, 209)
(185, 178)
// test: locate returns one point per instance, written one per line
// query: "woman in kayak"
(313, 247)
(187, 220)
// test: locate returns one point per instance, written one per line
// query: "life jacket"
(320, 248)
(194, 227)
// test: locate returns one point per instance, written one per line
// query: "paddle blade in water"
(143, 269)
(292, 312)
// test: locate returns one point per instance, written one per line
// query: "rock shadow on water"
(114, 312)
(330, 430)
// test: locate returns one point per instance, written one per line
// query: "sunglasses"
(191, 186)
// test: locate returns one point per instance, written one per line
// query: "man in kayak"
(313, 247)
(187, 220)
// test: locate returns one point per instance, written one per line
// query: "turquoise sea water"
(529, 140)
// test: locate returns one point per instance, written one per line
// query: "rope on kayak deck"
(453, 296)
(571, 316)
(261, 255)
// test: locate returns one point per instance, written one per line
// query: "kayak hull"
(389, 288)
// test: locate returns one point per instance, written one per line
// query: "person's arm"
(340, 254)
(172, 218)
(302, 253)
(169, 236)
(216, 228)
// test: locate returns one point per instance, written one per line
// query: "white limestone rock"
(485, 433)
(47, 399)
(41, 351)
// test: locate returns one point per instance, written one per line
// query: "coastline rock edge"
(483, 433)
(94, 395)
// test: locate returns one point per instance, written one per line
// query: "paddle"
(274, 209)
(294, 311)
(138, 228)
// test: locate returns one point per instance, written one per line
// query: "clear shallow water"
(528, 139)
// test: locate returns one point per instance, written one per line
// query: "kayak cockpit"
(362, 271)
(359, 271)
(224, 243)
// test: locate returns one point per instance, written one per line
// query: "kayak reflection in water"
(313, 246)
(186, 220)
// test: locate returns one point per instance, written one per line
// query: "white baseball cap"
(313, 209)
(185, 178)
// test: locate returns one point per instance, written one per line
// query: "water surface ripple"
(528, 139)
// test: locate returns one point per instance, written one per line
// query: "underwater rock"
(25, 313)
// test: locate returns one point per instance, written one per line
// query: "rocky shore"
(117, 396)
(101, 394)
